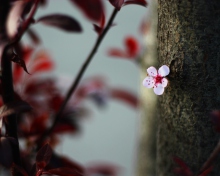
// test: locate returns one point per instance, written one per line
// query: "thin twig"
(78, 78)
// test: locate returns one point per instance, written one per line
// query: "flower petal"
(148, 82)
(158, 89)
(152, 71)
(164, 70)
(164, 82)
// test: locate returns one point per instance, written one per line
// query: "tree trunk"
(189, 43)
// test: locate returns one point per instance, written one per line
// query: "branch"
(78, 78)
(8, 90)
(25, 24)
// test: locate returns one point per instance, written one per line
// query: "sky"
(111, 133)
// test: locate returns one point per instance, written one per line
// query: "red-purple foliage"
(61, 21)
(215, 118)
(45, 98)
(184, 170)
(62, 171)
(131, 51)
(43, 157)
(36, 99)
(20, 170)
(102, 168)
(99, 28)
(92, 9)
(125, 96)
(98, 89)
(119, 3)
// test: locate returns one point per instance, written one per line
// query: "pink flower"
(156, 80)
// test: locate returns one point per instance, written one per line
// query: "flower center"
(158, 79)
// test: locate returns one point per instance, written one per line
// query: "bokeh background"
(110, 134)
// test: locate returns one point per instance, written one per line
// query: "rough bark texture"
(146, 159)
(189, 43)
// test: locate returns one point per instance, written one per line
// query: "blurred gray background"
(110, 134)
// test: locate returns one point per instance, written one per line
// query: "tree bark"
(189, 43)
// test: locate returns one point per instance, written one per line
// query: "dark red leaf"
(63, 171)
(97, 29)
(132, 46)
(43, 2)
(40, 86)
(18, 70)
(61, 21)
(102, 168)
(18, 60)
(117, 3)
(56, 102)
(215, 118)
(38, 125)
(68, 123)
(131, 51)
(14, 107)
(43, 157)
(61, 162)
(42, 63)
(92, 9)
(181, 163)
(183, 170)
(65, 128)
(125, 96)
(207, 171)
(43, 66)
(26, 160)
(137, 2)
(33, 36)
(115, 52)
(208, 163)
(100, 28)
(20, 170)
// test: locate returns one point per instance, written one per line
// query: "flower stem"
(78, 78)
